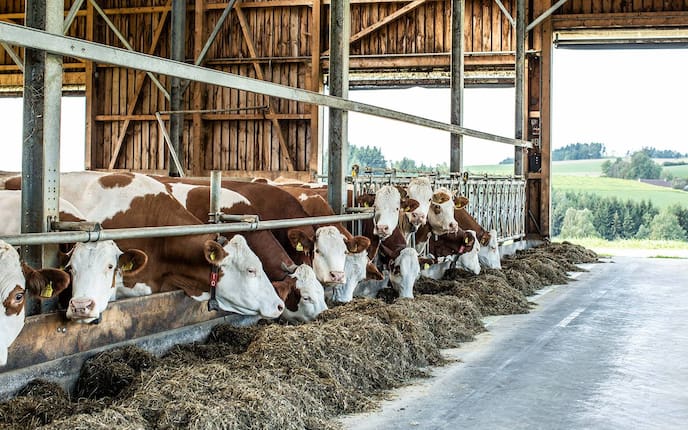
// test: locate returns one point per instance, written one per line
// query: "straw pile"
(289, 376)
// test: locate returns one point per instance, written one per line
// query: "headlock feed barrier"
(496, 202)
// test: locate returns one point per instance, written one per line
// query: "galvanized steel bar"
(457, 83)
(22, 36)
(167, 231)
(215, 187)
(520, 82)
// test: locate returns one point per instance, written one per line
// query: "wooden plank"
(620, 20)
(91, 151)
(196, 89)
(259, 74)
(316, 85)
(487, 25)
(133, 99)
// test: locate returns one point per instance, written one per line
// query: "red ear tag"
(213, 279)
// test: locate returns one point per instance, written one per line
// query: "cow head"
(98, 269)
(420, 190)
(489, 254)
(15, 281)
(404, 272)
(329, 255)
(441, 214)
(303, 295)
(469, 260)
(242, 286)
(387, 203)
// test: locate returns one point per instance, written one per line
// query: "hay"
(294, 376)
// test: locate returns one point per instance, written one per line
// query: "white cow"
(489, 255)
(469, 260)
(329, 255)
(15, 281)
(405, 271)
(387, 204)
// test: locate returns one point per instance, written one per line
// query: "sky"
(625, 99)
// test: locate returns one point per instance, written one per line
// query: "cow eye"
(305, 299)
(19, 297)
(317, 251)
(110, 266)
(252, 271)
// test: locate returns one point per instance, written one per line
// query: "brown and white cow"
(489, 251)
(16, 279)
(441, 214)
(121, 200)
(420, 190)
(303, 295)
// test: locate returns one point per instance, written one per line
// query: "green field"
(677, 171)
(584, 176)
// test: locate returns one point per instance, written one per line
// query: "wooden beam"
(620, 20)
(90, 82)
(210, 117)
(259, 74)
(384, 21)
(316, 83)
(200, 88)
(135, 91)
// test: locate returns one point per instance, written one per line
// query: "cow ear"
(402, 191)
(64, 253)
(131, 262)
(214, 252)
(460, 202)
(372, 272)
(45, 283)
(300, 240)
(357, 244)
(409, 205)
(365, 200)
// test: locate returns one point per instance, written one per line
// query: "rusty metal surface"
(50, 336)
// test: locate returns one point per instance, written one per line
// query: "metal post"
(340, 28)
(41, 134)
(215, 187)
(457, 77)
(520, 82)
(177, 44)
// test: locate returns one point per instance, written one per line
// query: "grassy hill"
(584, 176)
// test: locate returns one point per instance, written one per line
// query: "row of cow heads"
(387, 203)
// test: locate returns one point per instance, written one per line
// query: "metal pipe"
(74, 226)
(167, 231)
(520, 82)
(124, 41)
(545, 14)
(166, 137)
(215, 187)
(77, 48)
(506, 12)
(177, 46)
(457, 84)
(239, 218)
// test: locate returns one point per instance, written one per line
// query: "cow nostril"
(280, 307)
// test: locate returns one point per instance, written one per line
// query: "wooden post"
(316, 86)
(340, 28)
(457, 78)
(197, 97)
(520, 82)
(177, 45)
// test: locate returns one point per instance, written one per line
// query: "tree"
(579, 151)
(578, 223)
(366, 156)
(618, 169)
(665, 226)
(643, 167)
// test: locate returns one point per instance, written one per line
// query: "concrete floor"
(609, 351)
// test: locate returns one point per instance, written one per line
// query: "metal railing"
(496, 202)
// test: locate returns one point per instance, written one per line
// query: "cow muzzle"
(336, 277)
(82, 309)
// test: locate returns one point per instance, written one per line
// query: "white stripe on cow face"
(12, 292)
(329, 255)
(312, 301)
(387, 202)
(419, 189)
(93, 267)
(243, 286)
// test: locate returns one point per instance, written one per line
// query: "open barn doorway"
(619, 146)
(411, 147)
(72, 133)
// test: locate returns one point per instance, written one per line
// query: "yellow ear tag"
(47, 291)
(465, 240)
(426, 266)
(406, 209)
(299, 247)
(127, 267)
(212, 255)
(365, 205)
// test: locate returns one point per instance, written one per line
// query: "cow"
(419, 189)
(16, 279)
(190, 263)
(469, 260)
(272, 203)
(441, 214)
(404, 271)
(303, 295)
(448, 250)
(386, 203)
(489, 252)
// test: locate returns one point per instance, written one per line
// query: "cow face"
(420, 190)
(387, 203)
(489, 255)
(469, 260)
(435, 270)
(311, 296)
(98, 269)
(329, 255)
(441, 213)
(242, 286)
(355, 270)
(404, 272)
(15, 281)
